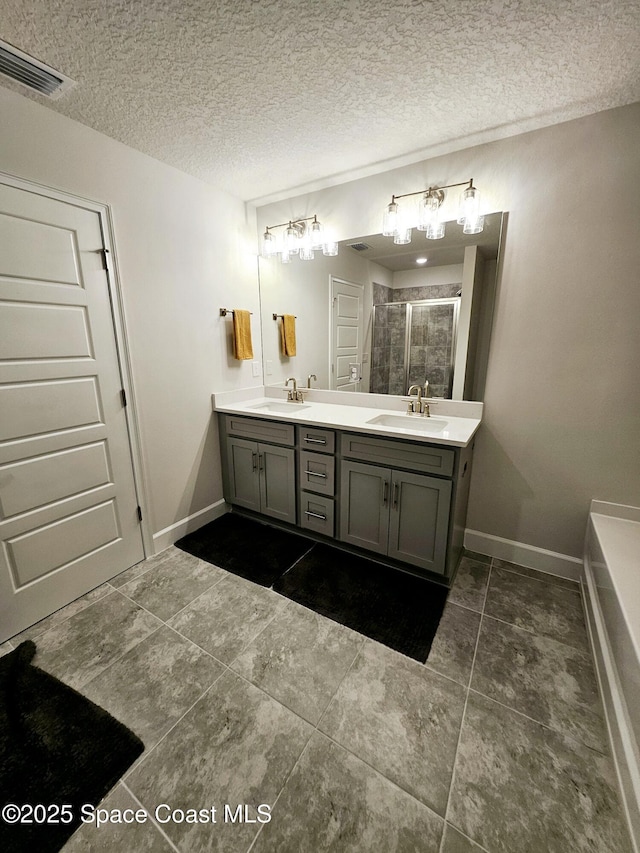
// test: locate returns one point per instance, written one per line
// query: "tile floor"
(244, 697)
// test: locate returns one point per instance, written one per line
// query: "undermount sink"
(415, 423)
(281, 408)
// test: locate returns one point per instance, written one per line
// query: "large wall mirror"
(378, 317)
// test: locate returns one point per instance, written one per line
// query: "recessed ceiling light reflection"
(421, 260)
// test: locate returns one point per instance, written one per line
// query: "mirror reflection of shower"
(413, 343)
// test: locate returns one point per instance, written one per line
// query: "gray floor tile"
(63, 614)
(546, 577)
(539, 607)
(334, 802)
(87, 643)
(300, 659)
(153, 685)
(456, 842)
(172, 584)
(143, 566)
(401, 718)
(550, 681)
(235, 746)
(519, 786)
(454, 643)
(227, 617)
(470, 585)
(139, 836)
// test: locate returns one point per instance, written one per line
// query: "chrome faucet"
(310, 377)
(293, 394)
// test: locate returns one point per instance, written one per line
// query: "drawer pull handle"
(395, 495)
(315, 474)
(315, 440)
(385, 492)
(315, 515)
(254, 459)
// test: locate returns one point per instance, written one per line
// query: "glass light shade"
(306, 249)
(317, 235)
(292, 240)
(424, 214)
(435, 231)
(402, 236)
(430, 217)
(469, 215)
(285, 257)
(390, 220)
(330, 249)
(269, 244)
(473, 226)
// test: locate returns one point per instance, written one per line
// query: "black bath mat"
(245, 547)
(396, 609)
(56, 749)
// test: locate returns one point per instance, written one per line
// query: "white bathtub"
(611, 586)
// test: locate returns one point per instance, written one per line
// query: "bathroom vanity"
(373, 480)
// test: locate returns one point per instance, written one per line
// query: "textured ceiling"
(260, 97)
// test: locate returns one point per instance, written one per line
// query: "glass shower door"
(433, 326)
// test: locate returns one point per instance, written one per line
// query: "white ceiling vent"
(32, 73)
(359, 247)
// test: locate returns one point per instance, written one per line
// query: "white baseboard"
(163, 538)
(524, 555)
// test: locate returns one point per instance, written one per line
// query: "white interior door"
(347, 324)
(68, 506)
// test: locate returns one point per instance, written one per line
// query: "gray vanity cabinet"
(260, 476)
(397, 513)
(404, 500)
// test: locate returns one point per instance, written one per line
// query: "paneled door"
(347, 313)
(68, 506)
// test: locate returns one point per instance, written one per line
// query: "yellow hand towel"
(288, 334)
(242, 345)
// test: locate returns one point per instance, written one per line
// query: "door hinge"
(123, 395)
(139, 511)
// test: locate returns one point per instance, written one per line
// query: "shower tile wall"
(428, 291)
(387, 355)
(430, 351)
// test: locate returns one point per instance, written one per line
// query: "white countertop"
(452, 422)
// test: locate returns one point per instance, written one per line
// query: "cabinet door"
(364, 505)
(277, 482)
(242, 465)
(419, 520)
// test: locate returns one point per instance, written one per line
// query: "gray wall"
(562, 399)
(184, 250)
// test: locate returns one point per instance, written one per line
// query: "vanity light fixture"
(302, 237)
(395, 223)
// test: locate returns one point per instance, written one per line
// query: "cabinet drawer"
(425, 458)
(316, 513)
(317, 472)
(320, 440)
(278, 433)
